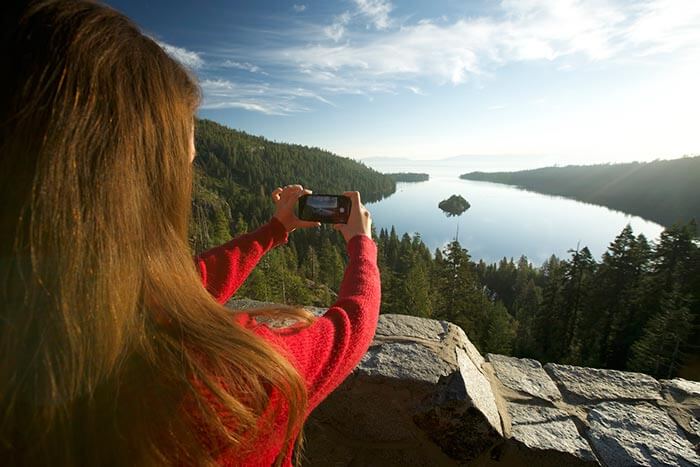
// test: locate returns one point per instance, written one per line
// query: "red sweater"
(324, 353)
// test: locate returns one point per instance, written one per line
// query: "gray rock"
(524, 375)
(682, 389)
(638, 434)
(410, 326)
(408, 361)
(684, 406)
(461, 417)
(479, 390)
(460, 339)
(583, 385)
(547, 428)
(416, 398)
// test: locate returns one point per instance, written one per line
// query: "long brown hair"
(95, 189)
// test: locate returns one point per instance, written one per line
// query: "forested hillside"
(635, 308)
(662, 191)
(236, 172)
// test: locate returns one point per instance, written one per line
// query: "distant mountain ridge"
(486, 163)
(664, 191)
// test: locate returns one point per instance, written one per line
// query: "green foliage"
(331, 265)
(660, 350)
(409, 177)
(663, 191)
(455, 205)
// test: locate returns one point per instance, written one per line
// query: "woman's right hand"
(359, 222)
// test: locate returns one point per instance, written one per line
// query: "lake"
(503, 220)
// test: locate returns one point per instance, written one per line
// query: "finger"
(354, 196)
(338, 227)
(292, 192)
(298, 194)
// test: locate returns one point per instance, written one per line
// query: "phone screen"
(330, 209)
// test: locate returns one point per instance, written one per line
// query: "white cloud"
(336, 30)
(377, 11)
(523, 30)
(415, 90)
(299, 7)
(664, 26)
(241, 66)
(187, 57)
(348, 58)
(420, 50)
(257, 97)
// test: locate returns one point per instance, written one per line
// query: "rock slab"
(584, 385)
(638, 434)
(547, 428)
(525, 376)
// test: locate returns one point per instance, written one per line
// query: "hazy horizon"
(603, 80)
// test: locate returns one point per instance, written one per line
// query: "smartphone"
(329, 209)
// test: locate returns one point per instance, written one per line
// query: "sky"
(578, 81)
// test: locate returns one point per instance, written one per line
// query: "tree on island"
(454, 206)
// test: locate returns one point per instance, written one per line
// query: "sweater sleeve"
(327, 351)
(224, 268)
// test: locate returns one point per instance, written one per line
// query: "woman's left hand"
(285, 199)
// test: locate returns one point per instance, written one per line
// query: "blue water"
(503, 221)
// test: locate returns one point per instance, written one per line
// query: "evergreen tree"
(458, 294)
(619, 285)
(659, 352)
(577, 280)
(241, 225)
(544, 321)
(500, 331)
(331, 265)
(416, 291)
(310, 265)
(526, 305)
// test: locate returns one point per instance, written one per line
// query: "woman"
(112, 351)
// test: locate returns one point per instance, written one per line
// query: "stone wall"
(424, 396)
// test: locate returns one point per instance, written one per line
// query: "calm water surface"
(502, 220)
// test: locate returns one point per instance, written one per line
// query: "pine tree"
(331, 265)
(500, 332)
(526, 305)
(241, 225)
(659, 351)
(310, 266)
(624, 268)
(577, 279)
(458, 294)
(416, 291)
(544, 322)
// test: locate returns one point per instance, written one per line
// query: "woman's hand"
(359, 222)
(285, 199)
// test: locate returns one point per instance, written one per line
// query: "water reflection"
(503, 220)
